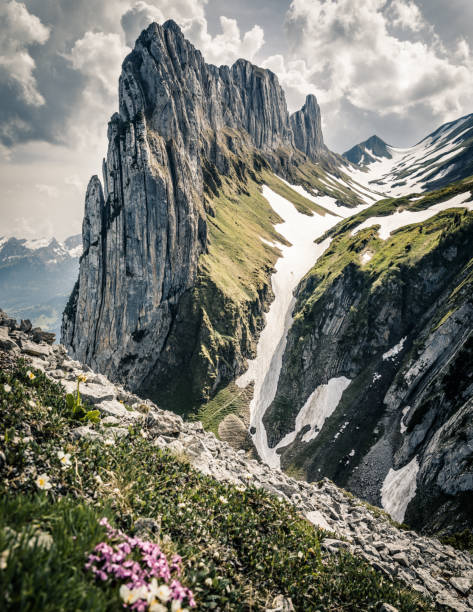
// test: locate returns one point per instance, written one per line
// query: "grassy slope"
(388, 206)
(237, 555)
(405, 247)
(237, 258)
(235, 272)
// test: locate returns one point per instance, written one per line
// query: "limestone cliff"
(183, 127)
(306, 125)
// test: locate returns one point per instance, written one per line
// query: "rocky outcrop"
(180, 121)
(422, 563)
(306, 126)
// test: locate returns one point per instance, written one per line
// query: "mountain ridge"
(177, 146)
(368, 151)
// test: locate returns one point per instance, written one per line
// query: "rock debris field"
(423, 563)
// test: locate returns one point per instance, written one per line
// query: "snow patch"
(395, 350)
(399, 487)
(76, 251)
(295, 261)
(403, 427)
(320, 404)
(393, 222)
(341, 430)
(37, 243)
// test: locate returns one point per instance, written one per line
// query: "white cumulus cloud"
(20, 29)
(406, 15)
(98, 56)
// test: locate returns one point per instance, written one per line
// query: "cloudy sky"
(397, 68)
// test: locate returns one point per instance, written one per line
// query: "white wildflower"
(30, 375)
(4, 559)
(155, 606)
(65, 459)
(7, 388)
(43, 482)
(129, 596)
(109, 442)
(223, 500)
(31, 404)
(163, 593)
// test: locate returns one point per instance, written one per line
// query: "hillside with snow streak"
(441, 158)
(379, 325)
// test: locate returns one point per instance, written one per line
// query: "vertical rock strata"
(144, 231)
(307, 128)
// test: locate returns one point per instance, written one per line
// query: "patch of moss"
(230, 399)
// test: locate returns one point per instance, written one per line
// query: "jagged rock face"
(144, 233)
(307, 128)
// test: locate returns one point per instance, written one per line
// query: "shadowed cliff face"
(145, 229)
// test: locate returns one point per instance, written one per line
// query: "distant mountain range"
(37, 276)
(438, 160)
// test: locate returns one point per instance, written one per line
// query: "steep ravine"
(296, 259)
(194, 242)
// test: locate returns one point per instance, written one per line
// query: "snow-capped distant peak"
(75, 251)
(37, 243)
(48, 250)
(440, 158)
